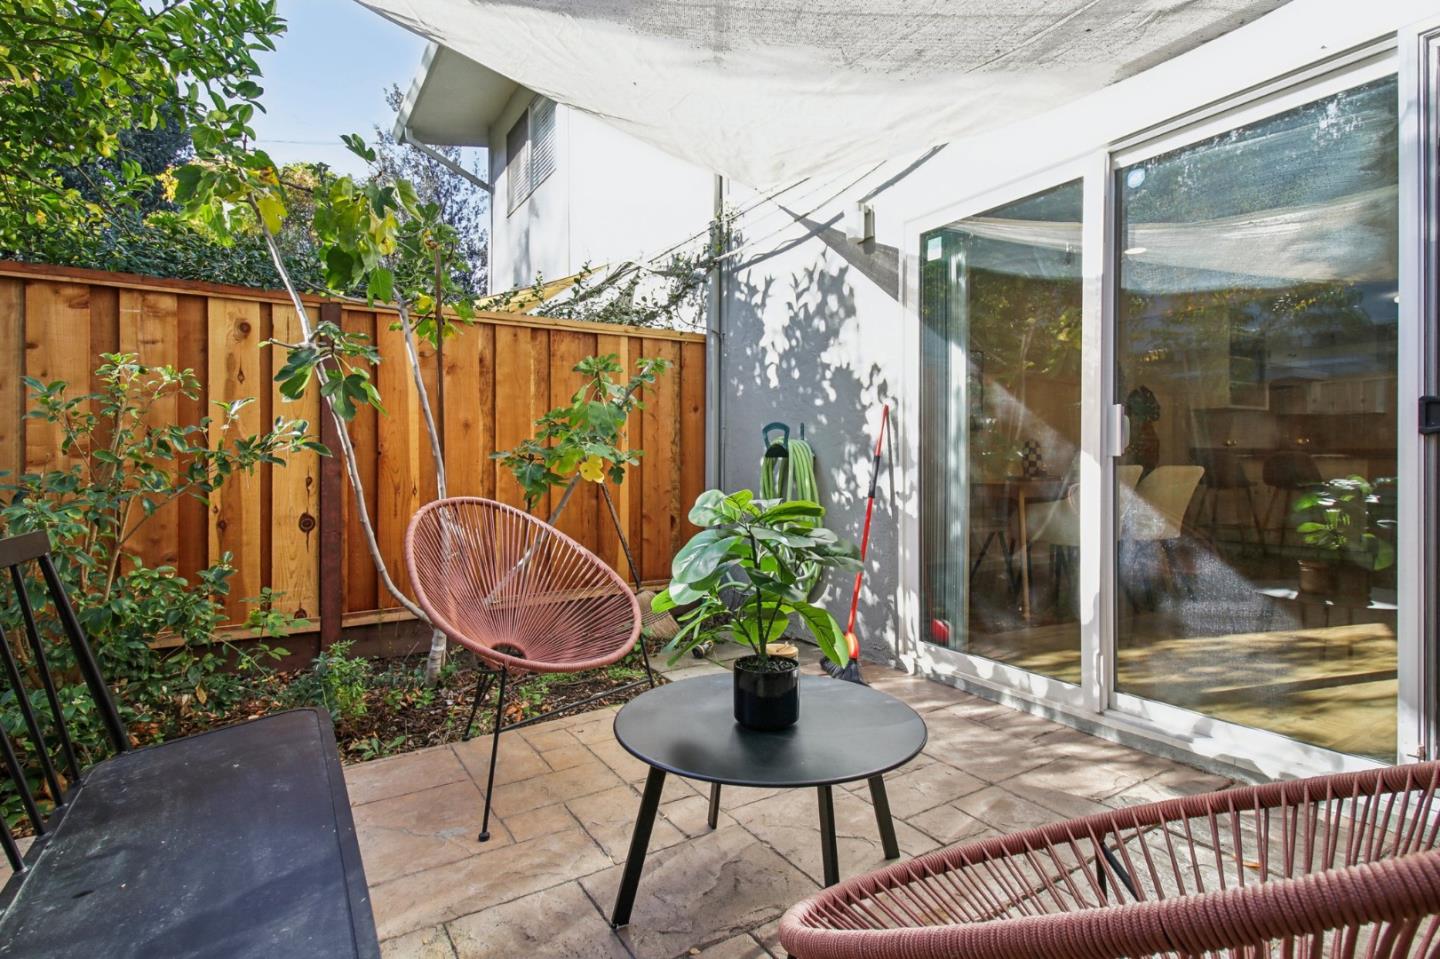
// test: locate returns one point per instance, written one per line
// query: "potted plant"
(740, 578)
(1336, 519)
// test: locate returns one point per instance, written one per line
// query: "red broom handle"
(869, 511)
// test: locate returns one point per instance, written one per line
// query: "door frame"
(1419, 69)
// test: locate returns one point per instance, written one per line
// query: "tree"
(80, 76)
(464, 206)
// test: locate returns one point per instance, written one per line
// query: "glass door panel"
(1000, 418)
(1256, 361)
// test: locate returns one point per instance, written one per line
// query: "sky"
(328, 76)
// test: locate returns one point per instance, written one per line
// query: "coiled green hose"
(800, 484)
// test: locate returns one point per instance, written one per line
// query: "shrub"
(117, 471)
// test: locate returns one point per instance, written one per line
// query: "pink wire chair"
(521, 595)
(1338, 866)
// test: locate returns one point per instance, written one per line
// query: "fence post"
(332, 517)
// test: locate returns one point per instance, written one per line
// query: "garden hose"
(792, 477)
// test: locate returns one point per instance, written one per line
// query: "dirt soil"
(392, 710)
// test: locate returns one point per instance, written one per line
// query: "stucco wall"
(807, 338)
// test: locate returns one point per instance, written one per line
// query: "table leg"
(883, 819)
(829, 855)
(714, 816)
(1024, 533)
(639, 842)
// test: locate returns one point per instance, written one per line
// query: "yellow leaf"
(272, 211)
(593, 469)
(201, 695)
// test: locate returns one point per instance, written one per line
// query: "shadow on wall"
(797, 353)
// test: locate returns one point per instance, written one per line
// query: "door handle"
(1119, 429)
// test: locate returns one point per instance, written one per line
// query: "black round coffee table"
(846, 733)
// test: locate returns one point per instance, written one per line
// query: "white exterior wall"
(809, 337)
(609, 199)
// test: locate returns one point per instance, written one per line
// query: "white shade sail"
(767, 91)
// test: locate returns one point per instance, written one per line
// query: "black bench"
(236, 842)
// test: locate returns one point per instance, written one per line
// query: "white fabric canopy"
(766, 91)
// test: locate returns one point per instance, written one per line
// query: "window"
(530, 151)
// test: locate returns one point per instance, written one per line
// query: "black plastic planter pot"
(767, 697)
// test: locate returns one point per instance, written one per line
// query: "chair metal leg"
(494, 752)
(713, 819)
(645, 655)
(482, 686)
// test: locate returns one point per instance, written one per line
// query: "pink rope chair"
(1338, 866)
(521, 595)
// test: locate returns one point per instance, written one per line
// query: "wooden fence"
(294, 529)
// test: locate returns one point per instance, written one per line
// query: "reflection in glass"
(1000, 395)
(1256, 359)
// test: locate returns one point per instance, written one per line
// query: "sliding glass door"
(1000, 416)
(1227, 378)
(1256, 363)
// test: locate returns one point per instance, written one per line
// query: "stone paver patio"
(567, 795)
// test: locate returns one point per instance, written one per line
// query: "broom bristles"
(656, 625)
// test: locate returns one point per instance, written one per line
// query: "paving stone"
(431, 943)
(596, 727)
(544, 885)
(691, 814)
(700, 668)
(614, 755)
(538, 822)
(555, 787)
(768, 936)
(1172, 783)
(736, 947)
(1083, 778)
(709, 889)
(733, 797)
(990, 812)
(567, 756)
(515, 761)
(987, 753)
(545, 737)
(561, 921)
(609, 818)
(472, 884)
(1043, 791)
(397, 775)
(921, 694)
(790, 824)
(421, 830)
(1017, 722)
(913, 790)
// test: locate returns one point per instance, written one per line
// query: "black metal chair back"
(15, 554)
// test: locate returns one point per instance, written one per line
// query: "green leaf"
(825, 629)
(700, 557)
(707, 509)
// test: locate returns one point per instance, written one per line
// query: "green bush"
(117, 472)
(337, 681)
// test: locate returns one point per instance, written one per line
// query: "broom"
(851, 670)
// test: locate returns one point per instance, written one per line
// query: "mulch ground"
(398, 712)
